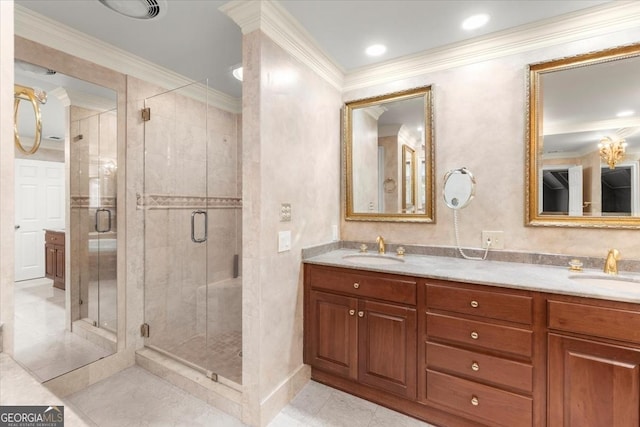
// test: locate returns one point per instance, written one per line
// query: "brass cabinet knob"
(356, 285)
(475, 401)
(474, 304)
(361, 313)
(352, 312)
(475, 366)
(474, 335)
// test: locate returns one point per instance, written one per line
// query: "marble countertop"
(550, 279)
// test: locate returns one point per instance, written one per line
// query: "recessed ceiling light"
(237, 72)
(138, 9)
(625, 113)
(475, 21)
(376, 50)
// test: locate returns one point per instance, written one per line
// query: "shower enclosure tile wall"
(192, 295)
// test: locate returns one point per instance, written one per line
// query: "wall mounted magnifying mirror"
(459, 188)
(388, 159)
(584, 140)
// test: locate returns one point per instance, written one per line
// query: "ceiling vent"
(138, 9)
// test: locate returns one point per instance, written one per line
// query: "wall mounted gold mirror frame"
(378, 133)
(574, 103)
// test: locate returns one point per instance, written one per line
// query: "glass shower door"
(176, 227)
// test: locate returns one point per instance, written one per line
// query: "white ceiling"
(196, 40)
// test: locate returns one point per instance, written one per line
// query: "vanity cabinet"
(478, 357)
(594, 363)
(362, 327)
(54, 255)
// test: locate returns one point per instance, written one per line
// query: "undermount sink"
(608, 281)
(372, 259)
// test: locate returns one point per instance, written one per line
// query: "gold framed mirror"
(388, 157)
(583, 145)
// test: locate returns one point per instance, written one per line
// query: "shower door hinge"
(146, 114)
(144, 330)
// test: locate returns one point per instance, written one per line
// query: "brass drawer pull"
(356, 285)
(475, 367)
(361, 314)
(352, 312)
(475, 401)
(474, 304)
(474, 335)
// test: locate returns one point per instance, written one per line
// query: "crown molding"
(38, 28)
(279, 25)
(599, 20)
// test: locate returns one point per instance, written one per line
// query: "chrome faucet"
(611, 264)
(380, 242)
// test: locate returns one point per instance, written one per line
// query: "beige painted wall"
(480, 123)
(291, 154)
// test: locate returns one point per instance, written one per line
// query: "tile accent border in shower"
(165, 201)
(87, 202)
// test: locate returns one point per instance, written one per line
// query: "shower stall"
(192, 232)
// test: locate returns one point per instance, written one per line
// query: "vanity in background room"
(54, 248)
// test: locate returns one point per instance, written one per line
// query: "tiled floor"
(42, 346)
(135, 397)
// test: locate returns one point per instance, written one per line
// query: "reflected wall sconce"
(35, 96)
(612, 151)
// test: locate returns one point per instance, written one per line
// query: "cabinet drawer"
(493, 305)
(602, 322)
(496, 370)
(480, 334)
(54, 238)
(380, 286)
(479, 402)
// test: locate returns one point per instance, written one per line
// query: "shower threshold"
(207, 373)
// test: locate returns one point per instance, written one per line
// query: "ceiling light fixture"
(612, 151)
(475, 21)
(376, 50)
(237, 72)
(137, 9)
(625, 113)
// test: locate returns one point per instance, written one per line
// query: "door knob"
(16, 227)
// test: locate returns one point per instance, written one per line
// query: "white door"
(39, 198)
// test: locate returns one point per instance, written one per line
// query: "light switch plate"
(284, 241)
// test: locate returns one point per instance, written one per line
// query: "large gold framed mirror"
(388, 157)
(583, 154)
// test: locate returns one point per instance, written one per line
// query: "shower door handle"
(97, 228)
(193, 227)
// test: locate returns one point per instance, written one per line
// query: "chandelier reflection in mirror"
(612, 151)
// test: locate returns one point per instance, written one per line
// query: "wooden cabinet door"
(387, 347)
(334, 334)
(59, 259)
(50, 261)
(592, 384)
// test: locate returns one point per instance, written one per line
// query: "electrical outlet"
(496, 237)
